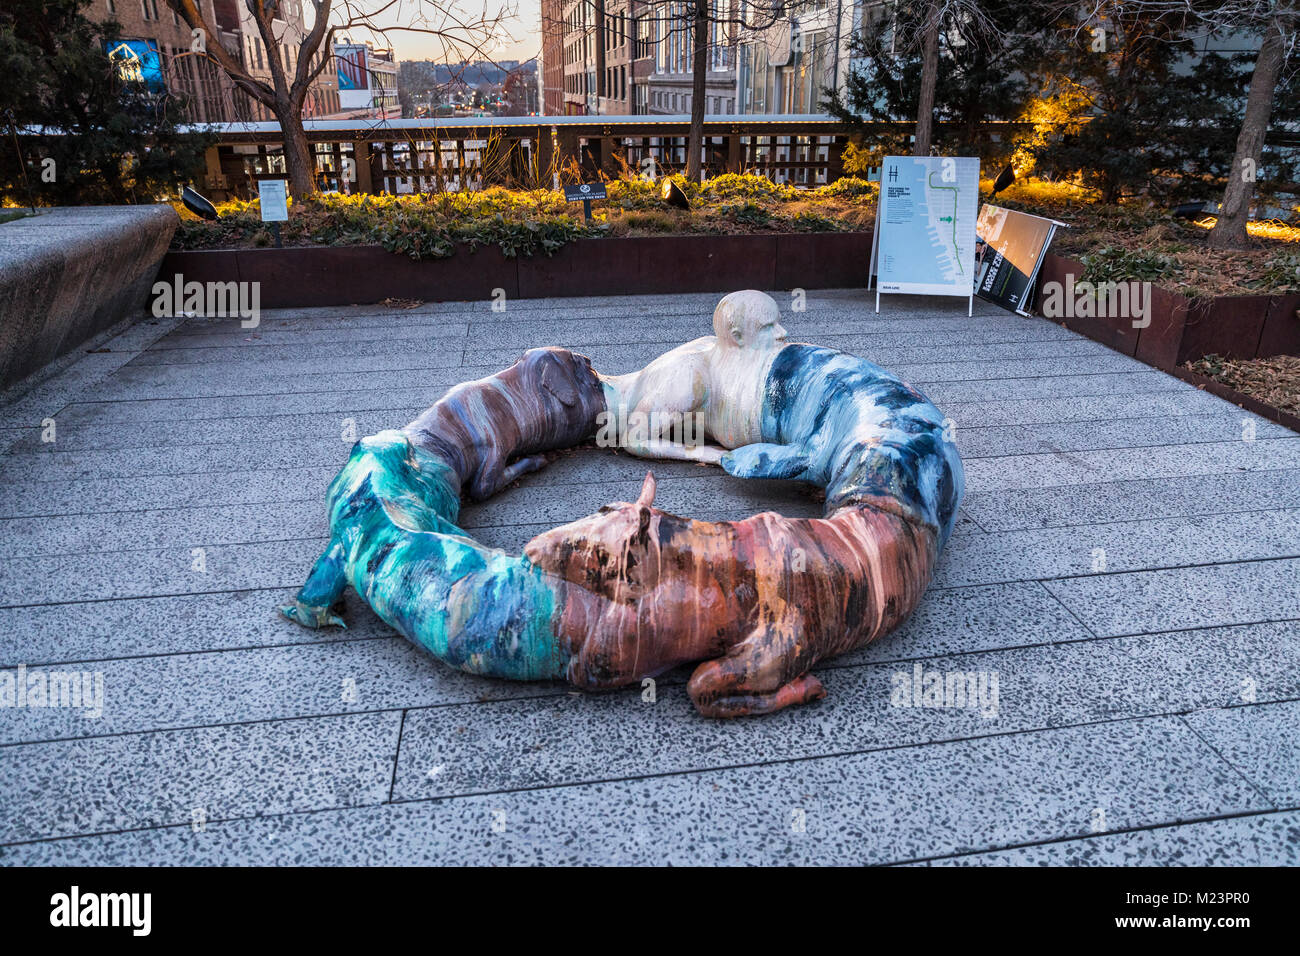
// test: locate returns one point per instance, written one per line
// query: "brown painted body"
(490, 430)
(759, 601)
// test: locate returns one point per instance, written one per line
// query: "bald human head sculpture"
(748, 319)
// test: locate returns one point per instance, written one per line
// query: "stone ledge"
(69, 273)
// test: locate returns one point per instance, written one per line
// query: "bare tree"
(1234, 212)
(461, 35)
(929, 80)
(920, 30)
(728, 18)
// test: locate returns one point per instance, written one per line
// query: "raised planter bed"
(1240, 399)
(359, 275)
(1183, 329)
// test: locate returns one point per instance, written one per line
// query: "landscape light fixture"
(198, 204)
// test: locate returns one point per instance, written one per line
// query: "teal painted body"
(392, 512)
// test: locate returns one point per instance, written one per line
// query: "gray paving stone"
(1056, 437)
(250, 378)
(985, 617)
(238, 355)
(151, 530)
(1128, 546)
(178, 458)
(303, 335)
(165, 435)
(1147, 601)
(1260, 741)
(1266, 839)
(255, 684)
(888, 806)
(132, 384)
(1110, 465)
(1140, 381)
(181, 569)
(242, 406)
(580, 738)
(120, 495)
(319, 429)
(622, 358)
(649, 326)
(1099, 408)
(96, 630)
(114, 783)
(1014, 509)
(202, 434)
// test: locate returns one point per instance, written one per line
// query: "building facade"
(157, 42)
(786, 68)
(550, 65)
(618, 57)
(667, 62)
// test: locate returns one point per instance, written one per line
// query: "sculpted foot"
(763, 460)
(766, 671)
(801, 690)
(313, 617)
(521, 467)
(319, 601)
(707, 454)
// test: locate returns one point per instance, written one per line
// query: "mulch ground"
(1275, 381)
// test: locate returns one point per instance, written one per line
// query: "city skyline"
(520, 40)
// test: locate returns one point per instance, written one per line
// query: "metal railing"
(428, 155)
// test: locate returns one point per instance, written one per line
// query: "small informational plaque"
(274, 197)
(584, 191)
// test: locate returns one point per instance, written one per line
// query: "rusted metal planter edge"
(316, 276)
(1184, 329)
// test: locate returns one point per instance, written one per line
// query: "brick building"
(156, 41)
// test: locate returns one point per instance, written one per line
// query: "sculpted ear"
(556, 382)
(647, 496)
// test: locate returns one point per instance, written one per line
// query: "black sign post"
(586, 192)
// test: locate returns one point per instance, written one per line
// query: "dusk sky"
(519, 39)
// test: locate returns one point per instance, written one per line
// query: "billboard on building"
(353, 72)
(137, 61)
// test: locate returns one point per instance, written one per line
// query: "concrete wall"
(68, 273)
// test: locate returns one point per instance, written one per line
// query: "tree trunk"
(929, 79)
(1230, 231)
(699, 77)
(298, 159)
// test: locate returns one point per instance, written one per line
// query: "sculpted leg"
(673, 451)
(519, 468)
(315, 603)
(763, 673)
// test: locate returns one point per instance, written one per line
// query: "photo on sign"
(1012, 247)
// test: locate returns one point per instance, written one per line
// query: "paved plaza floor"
(1126, 566)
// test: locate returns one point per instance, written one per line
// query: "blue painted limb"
(324, 588)
(764, 460)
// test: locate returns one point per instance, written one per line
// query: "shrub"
(1114, 264)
